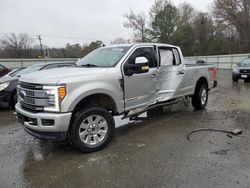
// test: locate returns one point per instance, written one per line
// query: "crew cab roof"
(141, 44)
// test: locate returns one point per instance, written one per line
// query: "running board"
(139, 111)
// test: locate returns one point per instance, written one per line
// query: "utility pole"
(41, 46)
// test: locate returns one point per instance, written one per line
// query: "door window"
(169, 56)
(166, 57)
(147, 52)
(177, 57)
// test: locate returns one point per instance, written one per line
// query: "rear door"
(171, 73)
(140, 89)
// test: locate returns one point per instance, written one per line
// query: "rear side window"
(166, 57)
(147, 52)
(177, 57)
(169, 56)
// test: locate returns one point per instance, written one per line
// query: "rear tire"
(200, 97)
(92, 129)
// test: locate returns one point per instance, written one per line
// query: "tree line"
(21, 46)
(223, 30)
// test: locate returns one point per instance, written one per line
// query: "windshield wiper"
(89, 65)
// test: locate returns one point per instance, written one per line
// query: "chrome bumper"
(61, 121)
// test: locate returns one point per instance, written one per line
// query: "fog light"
(48, 122)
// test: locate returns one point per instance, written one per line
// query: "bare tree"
(137, 22)
(235, 13)
(187, 13)
(203, 30)
(19, 44)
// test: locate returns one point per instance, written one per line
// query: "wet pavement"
(152, 152)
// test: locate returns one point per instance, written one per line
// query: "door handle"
(153, 76)
(181, 72)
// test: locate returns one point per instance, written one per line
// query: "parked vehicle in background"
(8, 85)
(4, 70)
(242, 70)
(79, 103)
(14, 72)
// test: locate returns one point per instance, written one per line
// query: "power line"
(64, 36)
(73, 37)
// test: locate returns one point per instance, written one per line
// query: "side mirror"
(140, 66)
(141, 60)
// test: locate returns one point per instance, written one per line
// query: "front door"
(140, 89)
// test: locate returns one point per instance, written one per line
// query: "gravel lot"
(151, 153)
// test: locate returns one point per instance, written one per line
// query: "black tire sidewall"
(74, 129)
(196, 99)
(204, 86)
(234, 78)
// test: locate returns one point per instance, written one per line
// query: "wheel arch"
(201, 80)
(98, 99)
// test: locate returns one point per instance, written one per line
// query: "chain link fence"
(221, 61)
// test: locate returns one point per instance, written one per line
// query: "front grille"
(32, 97)
(30, 86)
(245, 71)
(32, 93)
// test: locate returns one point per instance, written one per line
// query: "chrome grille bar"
(32, 97)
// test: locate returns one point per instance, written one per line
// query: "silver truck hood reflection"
(54, 76)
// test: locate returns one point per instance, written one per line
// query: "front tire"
(200, 97)
(234, 78)
(92, 129)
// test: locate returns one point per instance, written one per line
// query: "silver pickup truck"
(78, 103)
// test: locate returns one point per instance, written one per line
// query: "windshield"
(103, 57)
(30, 69)
(246, 62)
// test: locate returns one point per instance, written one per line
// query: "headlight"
(4, 85)
(236, 69)
(55, 94)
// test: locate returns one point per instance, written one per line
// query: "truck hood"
(53, 76)
(244, 67)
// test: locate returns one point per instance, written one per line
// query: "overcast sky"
(74, 21)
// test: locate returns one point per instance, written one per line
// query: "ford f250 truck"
(78, 103)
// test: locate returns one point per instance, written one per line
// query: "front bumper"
(34, 123)
(5, 99)
(241, 76)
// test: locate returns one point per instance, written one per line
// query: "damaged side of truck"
(79, 103)
(167, 81)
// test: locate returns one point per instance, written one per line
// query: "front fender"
(75, 95)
